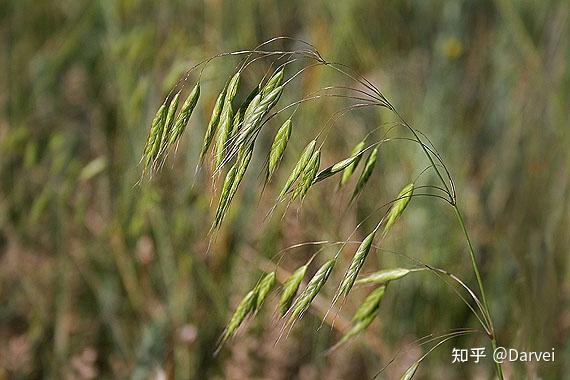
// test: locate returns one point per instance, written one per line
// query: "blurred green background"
(100, 278)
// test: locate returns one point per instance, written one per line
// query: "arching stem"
(481, 288)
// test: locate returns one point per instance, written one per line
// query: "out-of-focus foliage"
(102, 278)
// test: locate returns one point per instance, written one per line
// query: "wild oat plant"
(231, 136)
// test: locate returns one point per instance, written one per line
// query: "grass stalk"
(493, 337)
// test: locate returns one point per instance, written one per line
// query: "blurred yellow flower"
(452, 48)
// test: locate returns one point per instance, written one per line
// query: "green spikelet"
(399, 206)
(341, 165)
(304, 299)
(244, 157)
(365, 314)
(290, 288)
(153, 141)
(299, 167)
(245, 307)
(308, 176)
(384, 276)
(278, 147)
(356, 264)
(228, 182)
(370, 305)
(168, 124)
(252, 119)
(275, 81)
(236, 123)
(241, 112)
(245, 105)
(226, 120)
(184, 115)
(242, 162)
(357, 327)
(347, 172)
(213, 124)
(366, 173)
(263, 289)
(232, 87)
(251, 106)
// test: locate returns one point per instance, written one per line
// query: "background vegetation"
(100, 278)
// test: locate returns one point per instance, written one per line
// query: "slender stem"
(428, 156)
(481, 288)
(474, 263)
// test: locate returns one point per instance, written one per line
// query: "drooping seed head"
(232, 87)
(278, 147)
(303, 301)
(399, 205)
(253, 118)
(269, 100)
(226, 120)
(250, 107)
(245, 307)
(366, 173)
(339, 166)
(347, 172)
(225, 127)
(242, 111)
(154, 135)
(308, 176)
(224, 196)
(184, 114)
(356, 264)
(357, 327)
(275, 81)
(370, 305)
(236, 123)
(383, 276)
(169, 123)
(242, 162)
(290, 288)
(213, 124)
(299, 167)
(365, 314)
(250, 98)
(263, 289)
(266, 103)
